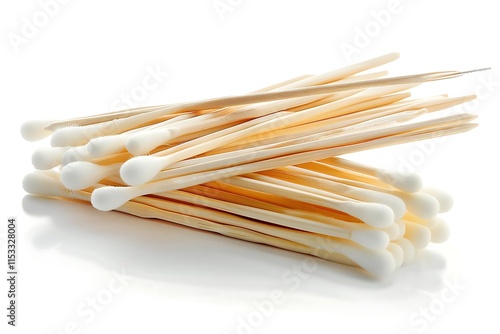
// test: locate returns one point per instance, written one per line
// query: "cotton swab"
(245, 196)
(397, 252)
(112, 197)
(429, 223)
(142, 169)
(47, 157)
(87, 120)
(419, 235)
(369, 238)
(445, 200)
(396, 204)
(408, 183)
(420, 204)
(35, 130)
(409, 250)
(372, 214)
(379, 262)
(106, 145)
(129, 173)
(440, 232)
(83, 174)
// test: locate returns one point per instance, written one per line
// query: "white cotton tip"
(68, 136)
(35, 130)
(422, 205)
(440, 232)
(402, 228)
(409, 250)
(429, 223)
(404, 182)
(73, 154)
(139, 170)
(146, 141)
(39, 183)
(110, 198)
(107, 145)
(379, 263)
(373, 214)
(47, 157)
(392, 231)
(419, 235)
(396, 204)
(83, 174)
(397, 252)
(445, 200)
(371, 239)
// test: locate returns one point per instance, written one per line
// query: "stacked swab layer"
(260, 167)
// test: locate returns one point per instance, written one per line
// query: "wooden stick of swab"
(85, 178)
(396, 204)
(418, 203)
(273, 202)
(228, 193)
(453, 117)
(247, 159)
(344, 120)
(285, 205)
(408, 183)
(99, 118)
(71, 135)
(373, 240)
(323, 89)
(368, 238)
(348, 151)
(142, 169)
(335, 96)
(315, 126)
(321, 170)
(130, 170)
(357, 237)
(379, 262)
(108, 198)
(87, 120)
(276, 218)
(120, 125)
(373, 214)
(144, 142)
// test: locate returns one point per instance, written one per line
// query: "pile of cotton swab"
(264, 166)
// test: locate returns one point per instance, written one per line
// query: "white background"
(187, 281)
